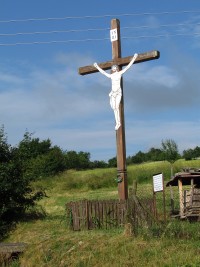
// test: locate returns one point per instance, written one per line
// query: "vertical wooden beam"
(120, 133)
(180, 187)
(172, 199)
(164, 203)
(191, 192)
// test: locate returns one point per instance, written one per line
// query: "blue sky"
(42, 92)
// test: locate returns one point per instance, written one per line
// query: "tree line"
(159, 154)
(168, 151)
(34, 159)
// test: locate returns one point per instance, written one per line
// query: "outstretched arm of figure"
(101, 70)
(130, 64)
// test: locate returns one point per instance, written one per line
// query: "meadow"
(51, 243)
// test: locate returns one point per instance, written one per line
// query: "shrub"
(101, 180)
(16, 194)
(45, 165)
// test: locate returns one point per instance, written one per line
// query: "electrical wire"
(102, 16)
(162, 25)
(99, 39)
(99, 29)
(52, 42)
(50, 32)
(161, 35)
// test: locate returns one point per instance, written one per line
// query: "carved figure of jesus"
(116, 91)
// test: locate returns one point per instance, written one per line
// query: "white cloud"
(150, 134)
(74, 111)
(9, 78)
(158, 74)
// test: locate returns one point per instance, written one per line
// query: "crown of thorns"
(115, 67)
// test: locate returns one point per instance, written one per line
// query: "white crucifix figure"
(116, 91)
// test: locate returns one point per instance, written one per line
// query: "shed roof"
(186, 178)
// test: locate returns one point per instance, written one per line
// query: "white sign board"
(113, 35)
(158, 182)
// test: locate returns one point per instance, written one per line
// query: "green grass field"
(52, 244)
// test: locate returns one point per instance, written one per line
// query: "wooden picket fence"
(91, 214)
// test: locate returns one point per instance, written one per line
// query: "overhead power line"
(99, 39)
(162, 35)
(53, 42)
(50, 32)
(99, 29)
(102, 16)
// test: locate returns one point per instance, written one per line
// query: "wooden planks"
(10, 251)
(12, 247)
(192, 202)
(87, 214)
(142, 57)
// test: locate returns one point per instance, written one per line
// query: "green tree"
(196, 152)
(170, 152)
(16, 193)
(154, 154)
(44, 165)
(31, 147)
(84, 160)
(139, 157)
(99, 164)
(71, 159)
(112, 162)
(188, 154)
(5, 153)
(38, 158)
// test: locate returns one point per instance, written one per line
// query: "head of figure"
(115, 68)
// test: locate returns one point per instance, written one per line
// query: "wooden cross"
(120, 133)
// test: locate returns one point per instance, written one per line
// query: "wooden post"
(172, 199)
(120, 133)
(192, 192)
(180, 187)
(164, 203)
(155, 205)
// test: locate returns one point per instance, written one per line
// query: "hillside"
(51, 243)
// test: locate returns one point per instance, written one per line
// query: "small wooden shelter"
(189, 198)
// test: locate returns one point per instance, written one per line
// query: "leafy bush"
(16, 194)
(38, 158)
(73, 182)
(95, 182)
(91, 179)
(77, 160)
(45, 165)
(190, 154)
(112, 162)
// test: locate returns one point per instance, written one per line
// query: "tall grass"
(105, 178)
(52, 244)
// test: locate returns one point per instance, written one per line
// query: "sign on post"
(113, 35)
(158, 182)
(158, 186)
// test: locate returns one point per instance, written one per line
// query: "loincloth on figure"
(115, 94)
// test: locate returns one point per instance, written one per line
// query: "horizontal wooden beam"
(120, 62)
(12, 247)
